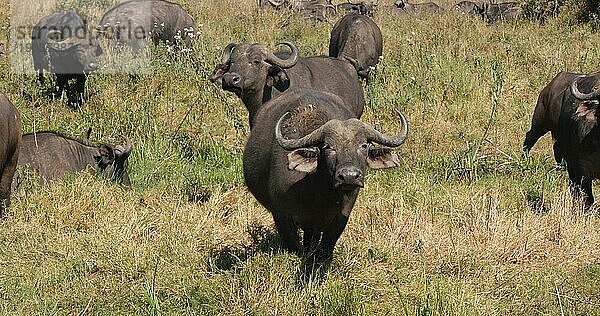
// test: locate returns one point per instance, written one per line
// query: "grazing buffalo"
(305, 162)
(359, 7)
(471, 7)
(256, 75)
(500, 12)
(357, 39)
(404, 7)
(277, 4)
(61, 45)
(567, 107)
(10, 129)
(317, 10)
(51, 156)
(130, 23)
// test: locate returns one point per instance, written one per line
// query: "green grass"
(464, 226)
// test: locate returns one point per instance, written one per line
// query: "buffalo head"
(112, 161)
(586, 112)
(248, 68)
(343, 150)
(72, 55)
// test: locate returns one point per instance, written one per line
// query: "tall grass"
(463, 227)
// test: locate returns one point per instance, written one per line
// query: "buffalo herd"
(307, 153)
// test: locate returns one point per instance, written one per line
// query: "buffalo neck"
(84, 155)
(253, 102)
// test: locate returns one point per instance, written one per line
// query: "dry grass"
(464, 226)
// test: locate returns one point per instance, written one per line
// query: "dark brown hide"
(51, 156)
(132, 22)
(312, 188)
(62, 45)
(357, 39)
(501, 12)
(247, 71)
(403, 7)
(573, 123)
(10, 133)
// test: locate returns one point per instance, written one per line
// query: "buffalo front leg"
(310, 242)
(76, 95)
(331, 235)
(5, 182)
(62, 82)
(557, 156)
(288, 232)
(532, 137)
(581, 187)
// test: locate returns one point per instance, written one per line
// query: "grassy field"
(464, 226)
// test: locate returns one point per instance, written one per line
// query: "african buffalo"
(61, 45)
(51, 156)
(357, 39)
(305, 162)
(10, 129)
(359, 7)
(130, 23)
(256, 75)
(471, 7)
(506, 11)
(571, 116)
(404, 7)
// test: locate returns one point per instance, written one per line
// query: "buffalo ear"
(107, 155)
(585, 115)
(304, 159)
(278, 78)
(218, 73)
(381, 158)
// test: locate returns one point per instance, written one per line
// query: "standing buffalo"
(61, 44)
(572, 118)
(404, 7)
(130, 23)
(10, 131)
(357, 39)
(359, 7)
(471, 7)
(256, 75)
(51, 156)
(305, 161)
(505, 11)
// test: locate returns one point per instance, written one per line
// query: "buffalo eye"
(256, 63)
(365, 146)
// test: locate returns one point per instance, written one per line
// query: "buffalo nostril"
(236, 79)
(349, 175)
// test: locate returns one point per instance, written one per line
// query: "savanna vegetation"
(465, 226)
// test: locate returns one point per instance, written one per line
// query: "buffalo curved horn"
(291, 144)
(284, 63)
(62, 44)
(276, 3)
(583, 96)
(123, 151)
(227, 53)
(395, 141)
